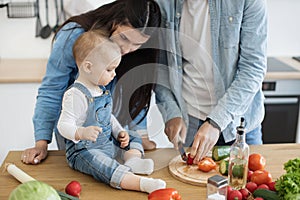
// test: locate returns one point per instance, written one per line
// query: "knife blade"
(182, 151)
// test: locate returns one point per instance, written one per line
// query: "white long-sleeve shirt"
(74, 113)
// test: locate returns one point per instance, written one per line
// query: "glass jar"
(216, 188)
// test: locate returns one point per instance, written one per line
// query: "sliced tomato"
(207, 164)
(164, 194)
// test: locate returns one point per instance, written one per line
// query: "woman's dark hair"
(137, 13)
(140, 14)
(136, 77)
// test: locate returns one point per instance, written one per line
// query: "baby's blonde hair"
(92, 43)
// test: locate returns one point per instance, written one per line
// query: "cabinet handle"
(290, 100)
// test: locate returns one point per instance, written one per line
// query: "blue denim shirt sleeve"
(243, 96)
(60, 73)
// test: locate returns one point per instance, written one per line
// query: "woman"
(126, 22)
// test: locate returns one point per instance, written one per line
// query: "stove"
(281, 123)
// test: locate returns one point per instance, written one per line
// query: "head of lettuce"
(34, 190)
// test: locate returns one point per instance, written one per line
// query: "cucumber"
(223, 167)
(65, 196)
(238, 171)
(220, 152)
(266, 194)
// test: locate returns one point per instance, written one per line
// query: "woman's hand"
(175, 129)
(205, 138)
(123, 138)
(36, 154)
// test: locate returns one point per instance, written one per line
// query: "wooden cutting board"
(189, 173)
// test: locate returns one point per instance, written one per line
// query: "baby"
(94, 137)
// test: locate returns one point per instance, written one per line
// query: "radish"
(73, 188)
(235, 195)
(251, 186)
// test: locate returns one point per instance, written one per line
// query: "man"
(215, 56)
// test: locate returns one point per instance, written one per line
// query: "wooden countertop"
(55, 171)
(285, 75)
(22, 70)
(33, 70)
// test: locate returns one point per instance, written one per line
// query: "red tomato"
(235, 195)
(261, 177)
(164, 194)
(73, 188)
(256, 162)
(189, 160)
(251, 186)
(207, 164)
(258, 198)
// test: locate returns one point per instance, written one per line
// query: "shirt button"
(178, 15)
(230, 19)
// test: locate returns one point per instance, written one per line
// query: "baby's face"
(104, 65)
(108, 74)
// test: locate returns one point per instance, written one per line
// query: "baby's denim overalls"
(98, 158)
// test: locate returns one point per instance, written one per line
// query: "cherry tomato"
(207, 164)
(261, 177)
(256, 162)
(189, 160)
(164, 194)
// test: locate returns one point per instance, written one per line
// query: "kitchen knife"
(182, 151)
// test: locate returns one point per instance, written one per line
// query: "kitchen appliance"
(281, 123)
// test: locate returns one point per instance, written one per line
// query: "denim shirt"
(239, 40)
(60, 74)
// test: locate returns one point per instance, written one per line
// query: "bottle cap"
(241, 129)
(217, 180)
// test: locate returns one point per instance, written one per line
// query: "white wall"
(284, 27)
(17, 36)
(17, 40)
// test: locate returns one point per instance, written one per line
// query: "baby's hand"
(123, 138)
(88, 133)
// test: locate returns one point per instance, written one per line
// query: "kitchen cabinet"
(22, 70)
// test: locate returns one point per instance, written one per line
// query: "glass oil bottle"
(238, 160)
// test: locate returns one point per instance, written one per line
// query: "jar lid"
(217, 180)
